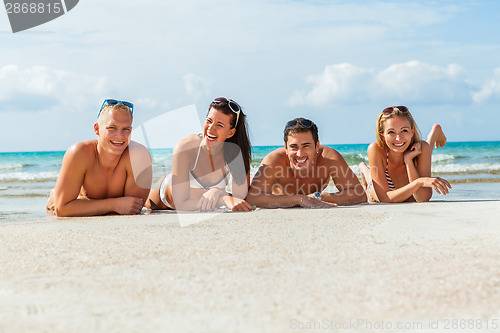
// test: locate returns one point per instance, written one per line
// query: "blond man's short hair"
(119, 107)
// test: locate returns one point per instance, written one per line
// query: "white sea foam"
(355, 169)
(26, 176)
(442, 158)
(356, 157)
(11, 166)
(437, 168)
(466, 168)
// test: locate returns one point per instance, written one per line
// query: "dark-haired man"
(297, 174)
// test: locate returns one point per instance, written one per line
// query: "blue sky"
(338, 63)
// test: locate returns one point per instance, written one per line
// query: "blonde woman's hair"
(392, 112)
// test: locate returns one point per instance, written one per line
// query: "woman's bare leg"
(51, 201)
(153, 201)
(436, 137)
(366, 180)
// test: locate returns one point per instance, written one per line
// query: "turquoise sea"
(26, 178)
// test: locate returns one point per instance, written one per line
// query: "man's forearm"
(274, 200)
(85, 207)
(350, 196)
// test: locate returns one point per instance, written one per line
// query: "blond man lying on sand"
(99, 176)
(297, 174)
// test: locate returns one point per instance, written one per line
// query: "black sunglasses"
(304, 122)
(114, 102)
(390, 110)
(233, 106)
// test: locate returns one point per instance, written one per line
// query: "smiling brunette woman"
(202, 165)
(400, 162)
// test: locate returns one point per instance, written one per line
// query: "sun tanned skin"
(413, 182)
(202, 154)
(97, 176)
(288, 177)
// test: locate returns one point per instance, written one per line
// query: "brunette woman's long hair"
(240, 141)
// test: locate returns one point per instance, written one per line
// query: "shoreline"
(264, 271)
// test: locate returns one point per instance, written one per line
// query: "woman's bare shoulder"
(374, 148)
(189, 142)
(425, 146)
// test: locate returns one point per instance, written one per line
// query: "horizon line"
(253, 146)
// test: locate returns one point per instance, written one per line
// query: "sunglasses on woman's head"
(233, 106)
(304, 122)
(390, 110)
(114, 102)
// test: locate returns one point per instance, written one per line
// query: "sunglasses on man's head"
(304, 122)
(233, 106)
(391, 109)
(114, 102)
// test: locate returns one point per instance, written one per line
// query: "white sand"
(264, 271)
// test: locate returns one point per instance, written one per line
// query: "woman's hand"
(439, 184)
(236, 204)
(414, 151)
(210, 199)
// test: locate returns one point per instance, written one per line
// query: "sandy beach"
(348, 268)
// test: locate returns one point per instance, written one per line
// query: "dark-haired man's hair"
(299, 127)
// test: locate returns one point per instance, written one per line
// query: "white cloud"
(258, 51)
(412, 81)
(40, 88)
(147, 103)
(490, 90)
(343, 83)
(196, 86)
(427, 84)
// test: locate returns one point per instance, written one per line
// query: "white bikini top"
(194, 182)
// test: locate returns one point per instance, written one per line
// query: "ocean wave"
(470, 181)
(253, 170)
(26, 195)
(436, 158)
(355, 159)
(28, 177)
(12, 166)
(466, 168)
(459, 169)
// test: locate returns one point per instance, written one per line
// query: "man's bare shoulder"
(78, 158)
(329, 155)
(82, 150)
(277, 157)
(272, 164)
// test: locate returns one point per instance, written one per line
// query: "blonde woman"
(400, 162)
